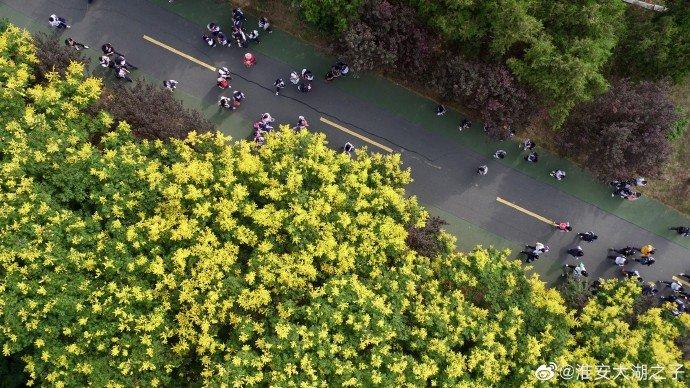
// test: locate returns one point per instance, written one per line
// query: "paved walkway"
(443, 161)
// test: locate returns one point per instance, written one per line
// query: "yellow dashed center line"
(355, 134)
(180, 53)
(523, 210)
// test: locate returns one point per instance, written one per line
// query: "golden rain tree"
(201, 261)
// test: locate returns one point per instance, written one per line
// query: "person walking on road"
(304, 87)
(558, 174)
(538, 247)
(213, 29)
(646, 250)
(221, 39)
(647, 260)
(122, 73)
(578, 271)
(348, 148)
(627, 251)
(224, 72)
(69, 42)
(170, 84)
(587, 236)
(210, 42)
(265, 25)
(294, 78)
(464, 124)
(532, 252)
(632, 274)
(279, 85)
(500, 154)
(222, 83)
(109, 50)
(122, 62)
(681, 230)
(58, 22)
(618, 260)
(225, 102)
(674, 286)
(302, 123)
(106, 62)
(249, 60)
(564, 226)
(238, 17)
(307, 75)
(576, 252)
(528, 145)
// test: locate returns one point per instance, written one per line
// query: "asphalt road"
(443, 171)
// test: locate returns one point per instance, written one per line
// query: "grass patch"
(673, 187)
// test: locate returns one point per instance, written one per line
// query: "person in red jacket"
(249, 60)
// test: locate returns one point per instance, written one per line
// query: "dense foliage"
(329, 15)
(54, 56)
(656, 45)
(389, 38)
(133, 262)
(152, 111)
(622, 133)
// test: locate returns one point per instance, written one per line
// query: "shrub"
(54, 55)
(427, 240)
(488, 88)
(623, 133)
(329, 16)
(388, 37)
(152, 111)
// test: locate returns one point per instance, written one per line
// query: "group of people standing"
(625, 188)
(240, 37)
(112, 59)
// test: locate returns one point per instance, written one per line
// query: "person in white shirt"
(122, 73)
(225, 102)
(58, 22)
(224, 72)
(106, 62)
(170, 84)
(579, 271)
(674, 286)
(500, 154)
(558, 174)
(294, 77)
(618, 260)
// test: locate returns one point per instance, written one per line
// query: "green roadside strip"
(645, 213)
